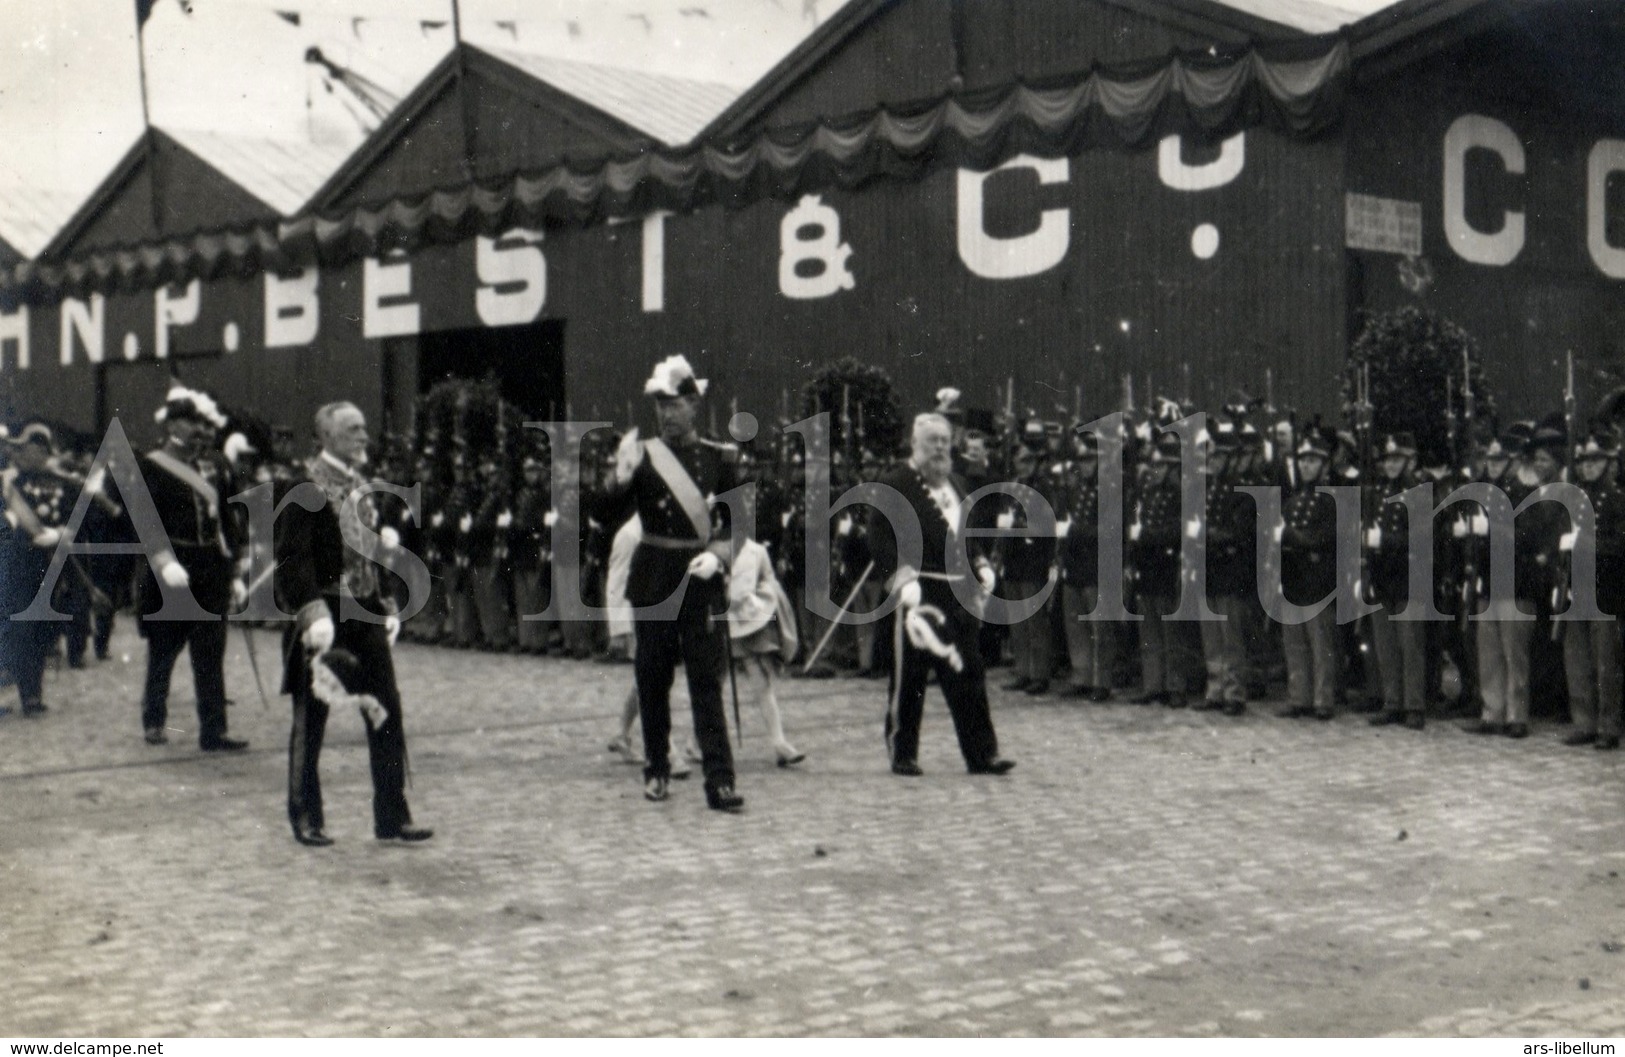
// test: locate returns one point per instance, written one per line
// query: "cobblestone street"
(1142, 872)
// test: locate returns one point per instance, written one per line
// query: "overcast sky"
(70, 86)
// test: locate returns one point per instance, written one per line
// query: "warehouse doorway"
(527, 362)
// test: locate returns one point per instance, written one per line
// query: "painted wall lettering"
(14, 335)
(810, 234)
(174, 312)
(1466, 133)
(292, 312)
(513, 278)
(87, 324)
(1607, 158)
(1021, 255)
(654, 261)
(387, 281)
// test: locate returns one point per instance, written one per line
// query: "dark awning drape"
(1209, 96)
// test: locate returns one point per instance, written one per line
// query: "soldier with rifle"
(1593, 652)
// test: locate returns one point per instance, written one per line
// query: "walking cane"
(819, 649)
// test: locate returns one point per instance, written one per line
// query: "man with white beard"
(934, 632)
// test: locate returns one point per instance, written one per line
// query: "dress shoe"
(1607, 742)
(409, 834)
(1235, 708)
(1580, 737)
(1386, 719)
(723, 798)
(997, 765)
(655, 789)
(1100, 695)
(906, 768)
(1517, 730)
(1037, 687)
(311, 837)
(1150, 698)
(1483, 726)
(1293, 712)
(34, 709)
(1323, 714)
(1020, 683)
(1415, 720)
(223, 745)
(788, 756)
(1174, 700)
(622, 747)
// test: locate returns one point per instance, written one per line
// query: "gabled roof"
(284, 174)
(1232, 24)
(30, 216)
(671, 109)
(1412, 30)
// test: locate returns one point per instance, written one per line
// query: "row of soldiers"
(489, 537)
(489, 541)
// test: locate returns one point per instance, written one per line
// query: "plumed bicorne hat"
(674, 377)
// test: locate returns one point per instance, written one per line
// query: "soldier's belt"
(672, 543)
(945, 577)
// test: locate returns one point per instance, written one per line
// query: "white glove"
(1373, 537)
(1062, 528)
(48, 538)
(1007, 519)
(1567, 541)
(704, 566)
(908, 596)
(392, 628)
(438, 520)
(843, 527)
(627, 456)
(1481, 525)
(551, 518)
(388, 538)
(986, 577)
(1193, 528)
(94, 482)
(504, 519)
(239, 594)
(318, 638)
(175, 576)
(465, 523)
(1458, 528)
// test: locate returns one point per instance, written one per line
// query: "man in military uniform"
(530, 547)
(327, 577)
(488, 558)
(1309, 574)
(1168, 648)
(1090, 643)
(38, 501)
(671, 481)
(1400, 645)
(1028, 563)
(1229, 522)
(1593, 654)
(934, 632)
(189, 489)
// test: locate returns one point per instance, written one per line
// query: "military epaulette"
(729, 452)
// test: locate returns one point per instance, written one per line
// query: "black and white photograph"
(874, 519)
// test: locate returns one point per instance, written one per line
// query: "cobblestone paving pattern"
(1143, 872)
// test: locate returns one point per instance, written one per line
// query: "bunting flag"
(1296, 96)
(511, 27)
(143, 11)
(290, 17)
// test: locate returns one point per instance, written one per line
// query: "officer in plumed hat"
(203, 547)
(682, 560)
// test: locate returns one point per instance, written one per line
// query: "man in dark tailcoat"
(934, 631)
(326, 549)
